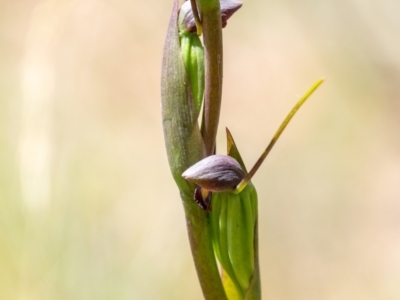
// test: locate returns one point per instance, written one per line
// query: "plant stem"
(211, 24)
(196, 17)
(198, 226)
(212, 37)
(184, 146)
(185, 143)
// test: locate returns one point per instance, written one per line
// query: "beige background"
(88, 209)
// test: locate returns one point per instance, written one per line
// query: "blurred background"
(88, 208)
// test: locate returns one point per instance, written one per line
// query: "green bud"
(233, 221)
(192, 53)
(193, 59)
(219, 223)
(240, 230)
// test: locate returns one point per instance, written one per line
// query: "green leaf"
(181, 131)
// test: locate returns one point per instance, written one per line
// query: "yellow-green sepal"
(220, 237)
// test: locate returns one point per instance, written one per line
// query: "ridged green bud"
(193, 58)
(192, 53)
(233, 221)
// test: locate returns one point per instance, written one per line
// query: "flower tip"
(186, 18)
(215, 173)
(228, 8)
(187, 21)
(185, 175)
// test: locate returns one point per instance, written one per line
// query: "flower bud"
(233, 220)
(193, 58)
(228, 8)
(186, 19)
(188, 23)
(216, 173)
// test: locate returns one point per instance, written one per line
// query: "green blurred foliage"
(88, 208)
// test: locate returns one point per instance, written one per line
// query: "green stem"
(212, 36)
(184, 146)
(198, 225)
(200, 232)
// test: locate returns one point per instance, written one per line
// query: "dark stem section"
(212, 36)
(196, 17)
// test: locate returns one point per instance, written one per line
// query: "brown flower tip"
(187, 21)
(228, 8)
(186, 18)
(216, 173)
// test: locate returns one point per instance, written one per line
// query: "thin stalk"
(211, 25)
(278, 133)
(210, 12)
(196, 17)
